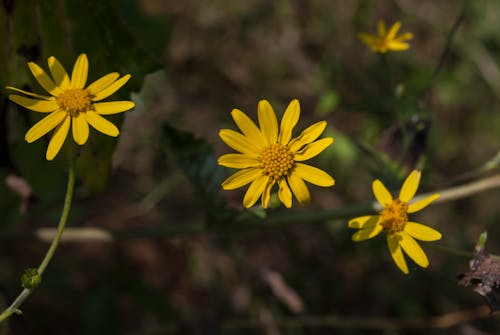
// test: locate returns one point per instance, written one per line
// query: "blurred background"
(174, 260)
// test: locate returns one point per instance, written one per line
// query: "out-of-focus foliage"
(36, 30)
(197, 161)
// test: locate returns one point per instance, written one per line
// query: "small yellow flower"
(269, 156)
(386, 40)
(70, 103)
(393, 219)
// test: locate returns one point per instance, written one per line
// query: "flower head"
(269, 155)
(71, 103)
(393, 219)
(386, 40)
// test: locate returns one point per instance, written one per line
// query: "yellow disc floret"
(276, 161)
(394, 216)
(74, 101)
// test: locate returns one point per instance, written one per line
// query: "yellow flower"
(393, 219)
(70, 103)
(268, 156)
(386, 40)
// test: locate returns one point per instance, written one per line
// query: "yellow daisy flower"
(71, 103)
(393, 219)
(386, 40)
(269, 156)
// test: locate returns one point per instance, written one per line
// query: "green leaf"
(195, 157)
(327, 103)
(36, 30)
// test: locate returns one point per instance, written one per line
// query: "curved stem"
(62, 222)
(14, 307)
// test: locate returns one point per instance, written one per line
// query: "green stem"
(452, 251)
(280, 220)
(14, 307)
(62, 221)
(446, 50)
(460, 253)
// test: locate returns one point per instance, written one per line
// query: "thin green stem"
(446, 50)
(460, 253)
(62, 221)
(14, 307)
(278, 220)
(452, 251)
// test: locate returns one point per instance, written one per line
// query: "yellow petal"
(398, 46)
(249, 129)
(422, 232)
(367, 233)
(393, 31)
(420, 204)
(299, 189)
(37, 105)
(313, 175)
(101, 124)
(58, 73)
(367, 39)
(308, 135)
(112, 88)
(396, 252)
(404, 37)
(113, 107)
(381, 193)
(34, 95)
(58, 138)
(410, 186)
(238, 161)
(241, 178)
(365, 221)
(255, 190)
(267, 121)
(284, 193)
(45, 125)
(80, 72)
(43, 79)
(413, 250)
(80, 129)
(288, 122)
(381, 28)
(239, 142)
(102, 83)
(312, 149)
(266, 195)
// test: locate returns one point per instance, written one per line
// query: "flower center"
(394, 216)
(74, 101)
(276, 161)
(383, 44)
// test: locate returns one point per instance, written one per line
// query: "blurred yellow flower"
(269, 156)
(386, 40)
(393, 219)
(70, 103)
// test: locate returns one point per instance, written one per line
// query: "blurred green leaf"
(327, 102)
(195, 157)
(344, 150)
(35, 30)
(93, 164)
